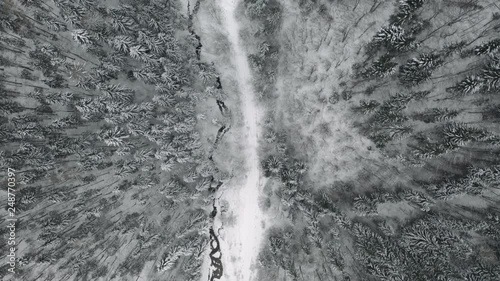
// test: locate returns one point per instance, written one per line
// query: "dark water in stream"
(215, 254)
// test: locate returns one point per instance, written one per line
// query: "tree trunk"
(12, 50)
(355, 5)
(23, 15)
(24, 84)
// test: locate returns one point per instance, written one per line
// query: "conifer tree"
(436, 115)
(382, 67)
(487, 48)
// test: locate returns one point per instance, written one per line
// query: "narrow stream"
(238, 243)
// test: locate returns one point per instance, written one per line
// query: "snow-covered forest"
(244, 140)
(105, 119)
(383, 142)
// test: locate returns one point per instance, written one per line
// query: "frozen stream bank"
(240, 241)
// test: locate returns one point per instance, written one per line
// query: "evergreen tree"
(406, 11)
(367, 107)
(394, 38)
(382, 67)
(419, 69)
(490, 75)
(487, 48)
(460, 134)
(469, 85)
(81, 36)
(436, 115)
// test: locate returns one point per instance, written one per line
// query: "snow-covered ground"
(240, 241)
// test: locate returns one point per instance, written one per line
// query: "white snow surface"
(240, 241)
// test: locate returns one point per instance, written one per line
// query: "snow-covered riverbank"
(240, 241)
